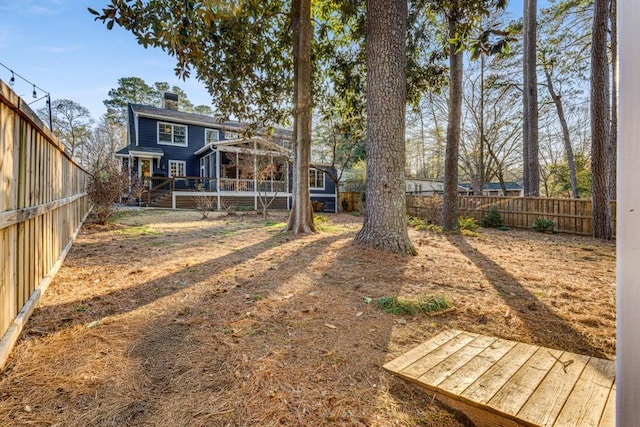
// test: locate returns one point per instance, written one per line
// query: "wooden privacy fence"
(570, 215)
(43, 203)
(352, 200)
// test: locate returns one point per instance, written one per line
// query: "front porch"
(220, 193)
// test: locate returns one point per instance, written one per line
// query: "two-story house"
(178, 157)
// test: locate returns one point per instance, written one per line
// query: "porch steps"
(497, 382)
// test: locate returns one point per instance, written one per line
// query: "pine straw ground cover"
(164, 320)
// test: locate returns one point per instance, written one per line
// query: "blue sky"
(57, 45)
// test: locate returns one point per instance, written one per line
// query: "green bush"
(435, 228)
(492, 219)
(319, 219)
(543, 225)
(414, 221)
(467, 224)
(503, 228)
(243, 208)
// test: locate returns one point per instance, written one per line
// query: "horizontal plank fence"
(43, 203)
(570, 215)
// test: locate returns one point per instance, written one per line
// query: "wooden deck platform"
(497, 382)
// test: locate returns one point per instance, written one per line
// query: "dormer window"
(172, 134)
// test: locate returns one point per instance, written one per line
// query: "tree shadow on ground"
(309, 351)
(541, 322)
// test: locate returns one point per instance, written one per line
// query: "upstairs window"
(170, 134)
(316, 179)
(231, 135)
(211, 135)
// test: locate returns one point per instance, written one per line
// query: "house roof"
(138, 150)
(494, 186)
(195, 119)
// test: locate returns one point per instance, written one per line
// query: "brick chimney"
(170, 101)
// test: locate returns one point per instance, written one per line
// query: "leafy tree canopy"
(240, 51)
(136, 91)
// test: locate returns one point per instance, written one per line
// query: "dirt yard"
(162, 319)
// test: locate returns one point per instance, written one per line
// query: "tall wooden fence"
(43, 202)
(570, 215)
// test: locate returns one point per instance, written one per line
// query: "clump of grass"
(121, 214)
(319, 219)
(136, 230)
(402, 306)
(469, 233)
(503, 228)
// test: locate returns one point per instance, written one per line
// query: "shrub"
(435, 228)
(243, 208)
(492, 219)
(106, 186)
(543, 225)
(317, 205)
(503, 228)
(319, 219)
(467, 224)
(205, 205)
(414, 221)
(345, 205)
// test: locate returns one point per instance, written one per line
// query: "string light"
(47, 95)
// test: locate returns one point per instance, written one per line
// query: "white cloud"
(59, 49)
(40, 10)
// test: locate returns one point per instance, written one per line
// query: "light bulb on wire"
(12, 81)
(35, 94)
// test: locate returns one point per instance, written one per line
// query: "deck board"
(476, 367)
(500, 382)
(544, 405)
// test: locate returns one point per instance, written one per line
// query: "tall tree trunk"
(450, 199)
(612, 149)
(482, 142)
(301, 217)
(385, 220)
(499, 170)
(568, 149)
(531, 146)
(599, 106)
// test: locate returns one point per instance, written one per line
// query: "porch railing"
(155, 186)
(237, 185)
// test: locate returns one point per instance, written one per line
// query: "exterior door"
(146, 170)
